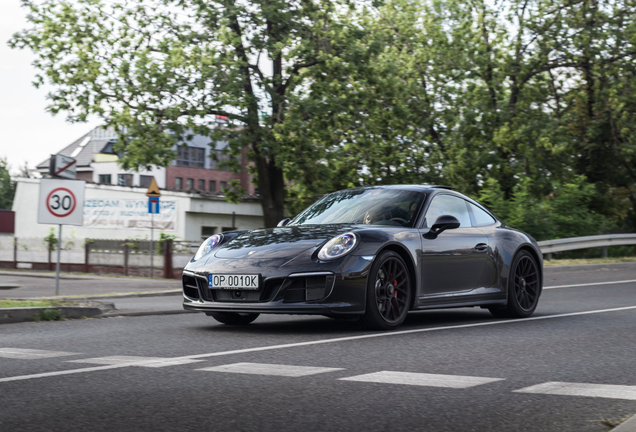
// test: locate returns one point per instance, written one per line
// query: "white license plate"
(227, 281)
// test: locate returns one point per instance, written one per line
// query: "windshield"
(364, 206)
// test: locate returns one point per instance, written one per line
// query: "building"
(194, 169)
(121, 212)
(115, 205)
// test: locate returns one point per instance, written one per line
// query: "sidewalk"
(132, 296)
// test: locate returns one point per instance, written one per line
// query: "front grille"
(190, 287)
(290, 290)
(308, 288)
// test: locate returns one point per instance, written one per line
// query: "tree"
(7, 185)
(158, 71)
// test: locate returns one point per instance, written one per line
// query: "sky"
(28, 132)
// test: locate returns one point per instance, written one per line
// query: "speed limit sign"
(61, 202)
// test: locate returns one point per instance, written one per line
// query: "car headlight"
(209, 244)
(338, 246)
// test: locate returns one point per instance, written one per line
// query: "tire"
(233, 318)
(524, 288)
(389, 292)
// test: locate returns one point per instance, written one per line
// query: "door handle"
(481, 247)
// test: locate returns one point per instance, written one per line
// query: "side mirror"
(283, 222)
(442, 223)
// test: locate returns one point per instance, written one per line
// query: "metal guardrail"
(566, 244)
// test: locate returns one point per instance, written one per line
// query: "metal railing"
(559, 245)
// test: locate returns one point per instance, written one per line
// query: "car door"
(453, 262)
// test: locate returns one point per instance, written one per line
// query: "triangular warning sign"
(153, 189)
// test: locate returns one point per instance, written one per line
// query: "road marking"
(270, 369)
(580, 389)
(334, 340)
(422, 379)
(136, 361)
(591, 284)
(31, 354)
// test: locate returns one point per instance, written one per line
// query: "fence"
(124, 257)
(132, 257)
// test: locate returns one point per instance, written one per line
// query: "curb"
(91, 310)
(116, 314)
(566, 268)
(110, 296)
(628, 425)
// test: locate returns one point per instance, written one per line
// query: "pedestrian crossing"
(608, 391)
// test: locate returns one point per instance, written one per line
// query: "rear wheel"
(233, 318)
(388, 292)
(524, 288)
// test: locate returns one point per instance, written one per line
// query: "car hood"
(282, 242)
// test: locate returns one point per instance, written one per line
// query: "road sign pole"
(57, 265)
(152, 249)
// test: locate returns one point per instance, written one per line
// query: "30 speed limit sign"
(61, 202)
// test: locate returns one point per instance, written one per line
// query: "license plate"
(226, 281)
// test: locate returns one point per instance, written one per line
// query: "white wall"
(113, 169)
(192, 212)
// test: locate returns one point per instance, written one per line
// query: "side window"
(481, 217)
(447, 205)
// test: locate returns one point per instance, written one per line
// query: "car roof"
(417, 187)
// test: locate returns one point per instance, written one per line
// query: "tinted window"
(481, 217)
(447, 205)
(364, 206)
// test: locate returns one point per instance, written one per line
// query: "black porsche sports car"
(373, 252)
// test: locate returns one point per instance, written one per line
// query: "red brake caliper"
(395, 284)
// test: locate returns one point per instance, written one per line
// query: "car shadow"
(316, 325)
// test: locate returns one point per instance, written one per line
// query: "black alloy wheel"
(524, 288)
(233, 318)
(388, 292)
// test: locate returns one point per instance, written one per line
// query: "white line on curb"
(319, 342)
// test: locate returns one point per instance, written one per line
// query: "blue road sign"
(153, 205)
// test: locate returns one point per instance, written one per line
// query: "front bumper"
(334, 288)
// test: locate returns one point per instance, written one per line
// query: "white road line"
(31, 354)
(591, 284)
(422, 379)
(270, 369)
(135, 361)
(580, 389)
(341, 339)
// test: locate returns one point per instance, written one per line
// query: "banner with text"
(122, 213)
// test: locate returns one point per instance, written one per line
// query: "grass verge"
(583, 261)
(31, 303)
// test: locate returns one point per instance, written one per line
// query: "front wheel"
(388, 292)
(524, 288)
(233, 318)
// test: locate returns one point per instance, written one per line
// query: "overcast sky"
(28, 133)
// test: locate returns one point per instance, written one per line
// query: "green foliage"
(7, 185)
(51, 240)
(49, 315)
(566, 212)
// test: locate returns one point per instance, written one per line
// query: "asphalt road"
(446, 370)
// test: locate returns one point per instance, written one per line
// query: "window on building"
(105, 179)
(223, 185)
(207, 231)
(193, 157)
(144, 181)
(224, 229)
(212, 186)
(190, 184)
(178, 183)
(219, 156)
(201, 185)
(125, 179)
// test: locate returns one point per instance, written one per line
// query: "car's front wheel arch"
(408, 260)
